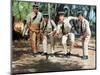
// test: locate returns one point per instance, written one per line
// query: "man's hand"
(29, 27)
(56, 34)
(41, 31)
(32, 28)
(82, 37)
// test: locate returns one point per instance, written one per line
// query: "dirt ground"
(23, 61)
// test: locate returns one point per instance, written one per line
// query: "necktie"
(81, 28)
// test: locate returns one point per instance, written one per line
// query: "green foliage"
(21, 9)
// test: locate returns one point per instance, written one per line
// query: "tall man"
(85, 34)
(33, 20)
(48, 28)
(64, 27)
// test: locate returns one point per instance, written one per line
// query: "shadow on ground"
(47, 66)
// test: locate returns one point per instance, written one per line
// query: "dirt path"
(23, 61)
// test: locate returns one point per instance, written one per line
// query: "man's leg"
(64, 43)
(37, 41)
(85, 47)
(72, 39)
(52, 43)
(33, 42)
(44, 42)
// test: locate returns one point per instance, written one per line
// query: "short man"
(33, 20)
(85, 34)
(64, 27)
(48, 29)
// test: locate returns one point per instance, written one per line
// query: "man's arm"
(28, 18)
(88, 31)
(54, 25)
(72, 17)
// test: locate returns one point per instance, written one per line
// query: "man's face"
(61, 18)
(80, 18)
(45, 19)
(35, 10)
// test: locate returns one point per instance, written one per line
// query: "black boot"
(84, 57)
(40, 52)
(34, 54)
(65, 55)
(44, 53)
(68, 55)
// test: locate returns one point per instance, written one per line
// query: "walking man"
(48, 29)
(33, 21)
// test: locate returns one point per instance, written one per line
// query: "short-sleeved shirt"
(66, 23)
(34, 19)
(50, 26)
(85, 28)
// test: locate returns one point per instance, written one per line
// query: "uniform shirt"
(67, 26)
(85, 28)
(50, 26)
(34, 19)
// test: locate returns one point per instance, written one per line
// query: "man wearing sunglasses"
(33, 21)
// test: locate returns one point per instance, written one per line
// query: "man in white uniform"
(48, 29)
(85, 34)
(64, 27)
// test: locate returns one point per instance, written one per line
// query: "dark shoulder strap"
(34, 17)
(62, 28)
(44, 27)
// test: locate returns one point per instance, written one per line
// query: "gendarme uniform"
(65, 28)
(34, 20)
(86, 33)
(48, 29)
